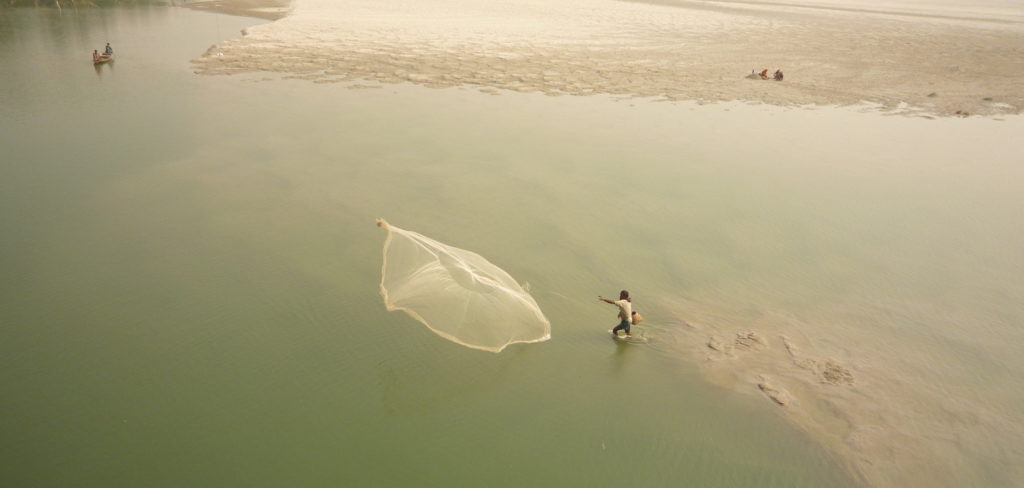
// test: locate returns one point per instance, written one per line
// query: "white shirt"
(626, 309)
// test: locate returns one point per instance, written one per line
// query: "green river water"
(189, 271)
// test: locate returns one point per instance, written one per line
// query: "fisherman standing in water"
(625, 311)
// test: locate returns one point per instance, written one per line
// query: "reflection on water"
(101, 67)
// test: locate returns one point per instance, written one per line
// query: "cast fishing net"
(456, 293)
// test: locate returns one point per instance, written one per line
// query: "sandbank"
(912, 61)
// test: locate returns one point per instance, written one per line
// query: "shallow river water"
(189, 279)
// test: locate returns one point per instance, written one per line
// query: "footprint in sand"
(750, 341)
(744, 342)
(777, 395)
(719, 350)
(828, 371)
(835, 374)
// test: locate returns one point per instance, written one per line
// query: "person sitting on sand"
(109, 50)
(778, 75)
(764, 74)
(625, 310)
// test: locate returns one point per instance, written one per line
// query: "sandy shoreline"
(911, 63)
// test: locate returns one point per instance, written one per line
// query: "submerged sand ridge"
(911, 62)
(885, 414)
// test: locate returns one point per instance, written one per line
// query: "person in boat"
(108, 51)
(764, 74)
(95, 55)
(625, 305)
(778, 75)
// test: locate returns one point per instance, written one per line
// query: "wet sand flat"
(926, 60)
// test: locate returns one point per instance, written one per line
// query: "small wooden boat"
(103, 58)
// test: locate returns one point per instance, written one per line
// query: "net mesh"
(457, 294)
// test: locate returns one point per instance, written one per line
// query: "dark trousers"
(624, 325)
